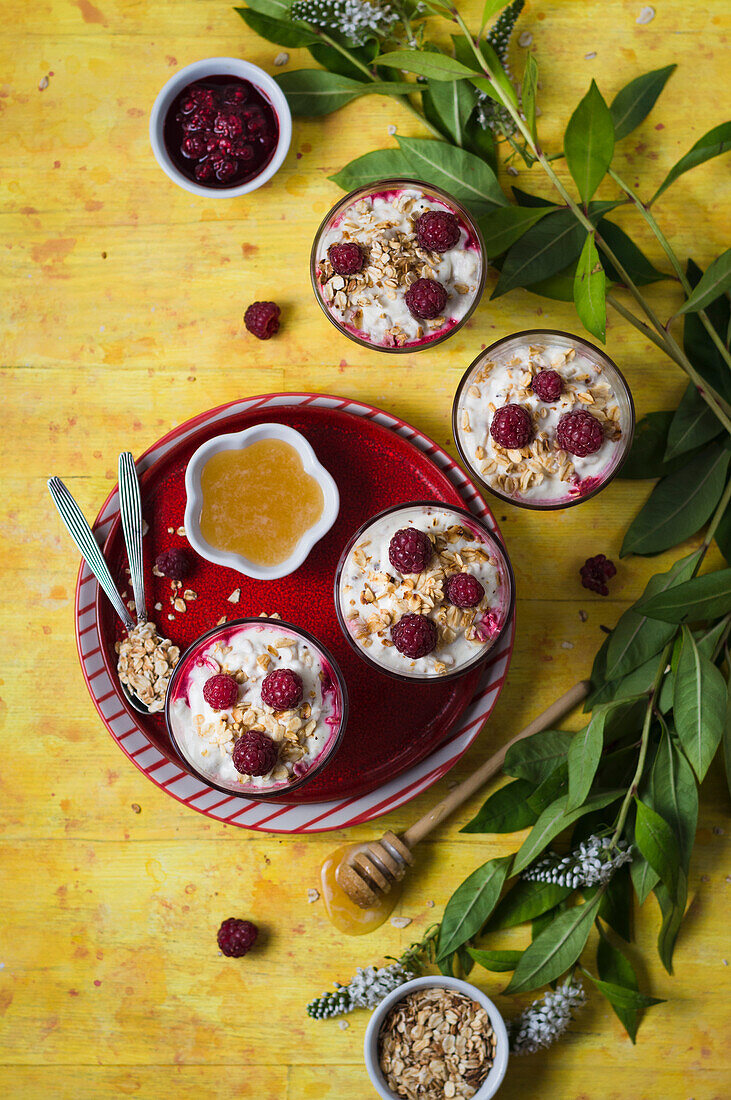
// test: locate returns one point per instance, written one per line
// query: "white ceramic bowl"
(494, 1079)
(220, 66)
(237, 441)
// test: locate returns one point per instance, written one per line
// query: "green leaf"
(471, 904)
(435, 66)
(706, 597)
(672, 791)
(723, 536)
(480, 141)
(499, 79)
(636, 638)
(528, 93)
(281, 32)
(693, 425)
(524, 198)
(275, 9)
(635, 683)
(634, 102)
(465, 961)
(698, 345)
(727, 733)
(616, 906)
(589, 142)
(679, 504)
(554, 786)
(490, 8)
(502, 228)
(556, 949)
(627, 1003)
(505, 811)
(715, 282)
(371, 167)
(543, 250)
(585, 752)
(314, 92)
(656, 842)
(558, 287)
(460, 173)
(336, 62)
(497, 961)
(644, 878)
(673, 911)
(525, 901)
(613, 965)
(712, 144)
(449, 106)
(553, 821)
(646, 456)
(632, 259)
(590, 290)
(699, 705)
(535, 758)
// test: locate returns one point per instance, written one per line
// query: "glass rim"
(284, 624)
(480, 656)
(382, 184)
(504, 497)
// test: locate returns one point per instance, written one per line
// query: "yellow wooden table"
(122, 299)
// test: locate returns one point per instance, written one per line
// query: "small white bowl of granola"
(256, 707)
(424, 591)
(454, 1062)
(544, 419)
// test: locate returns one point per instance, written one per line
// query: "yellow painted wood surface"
(122, 299)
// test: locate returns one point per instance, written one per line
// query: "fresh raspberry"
(194, 146)
(254, 753)
(426, 298)
(347, 258)
(595, 572)
(228, 124)
(512, 427)
(236, 937)
(410, 550)
(437, 230)
(262, 319)
(282, 689)
(464, 590)
(579, 433)
(414, 636)
(175, 564)
(226, 168)
(547, 385)
(220, 691)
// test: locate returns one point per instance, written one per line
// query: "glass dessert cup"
(328, 706)
(486, 559)
(470, 422)
(470, 244)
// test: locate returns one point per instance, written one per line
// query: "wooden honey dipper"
(370, 872)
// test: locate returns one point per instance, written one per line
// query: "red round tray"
(392, 726)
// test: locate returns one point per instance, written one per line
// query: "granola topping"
(371, 303)
(541, 471)
(248, 652)
(145, 662)
(374, 596)
(436, 1043)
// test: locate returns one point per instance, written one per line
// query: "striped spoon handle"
(83, 536)
(130, 506)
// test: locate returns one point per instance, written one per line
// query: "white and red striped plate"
(281, 817)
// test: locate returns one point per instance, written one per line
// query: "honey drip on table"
(258, 501)
(344, 913)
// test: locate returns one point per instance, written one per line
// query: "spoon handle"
(83, 536)
(130, 507)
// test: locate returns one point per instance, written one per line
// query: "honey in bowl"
(258, 502)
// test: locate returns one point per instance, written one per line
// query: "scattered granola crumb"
(590, 56)
(235, 596)
(647, 14)
(525, 39)
(392, 130)
(400, 922)
(512, 170)
(583, 616)
(145, 527)
(180, 531)
(343, 1025)
(43, 83)
(312, 895)
(281, 59)
(222, 620)
(567, 645)
(717, 830)
(430, 904)
(705, 878)
(136, 808)
(158, 606)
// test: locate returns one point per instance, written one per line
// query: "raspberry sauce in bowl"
(220, 127)
(221, 131)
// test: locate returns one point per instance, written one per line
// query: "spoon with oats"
(142, 651)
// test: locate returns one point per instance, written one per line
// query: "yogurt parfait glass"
(367, 288)
(288, 740)
(543, 419)
(424, 591)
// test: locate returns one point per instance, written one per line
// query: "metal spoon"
(83, 536)
(130, 507)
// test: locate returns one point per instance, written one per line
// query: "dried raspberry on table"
(595, 572)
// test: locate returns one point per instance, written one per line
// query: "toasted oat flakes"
(145, 662)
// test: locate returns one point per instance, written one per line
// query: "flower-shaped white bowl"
(220, 66)
(494, 1079)
(238, 441)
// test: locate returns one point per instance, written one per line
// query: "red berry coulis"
(221, 131)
